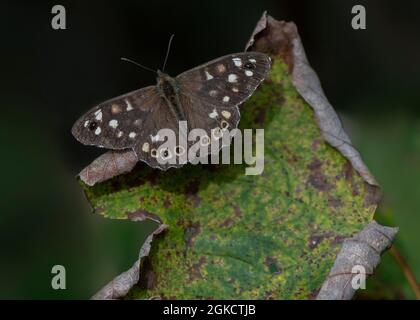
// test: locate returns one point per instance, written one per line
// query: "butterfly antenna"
(167, 52)
(139, 65)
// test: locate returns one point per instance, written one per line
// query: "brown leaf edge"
(282, 39)
(108, 165)
(364, 249)
(122, 283)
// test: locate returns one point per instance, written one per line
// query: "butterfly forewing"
(227, 81)
(117, 123)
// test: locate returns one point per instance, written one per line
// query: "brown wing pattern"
(226, 82)
(209, 96)
(117, 123)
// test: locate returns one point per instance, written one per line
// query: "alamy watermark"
(58, 22)
(358, 281)
(358, 22)
(197, 146)
(58, 281)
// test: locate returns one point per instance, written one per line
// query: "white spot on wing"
(237, 61)
(98, 115)
(234, 89)
(224, 124)
(129, 106)
(226, 99)
(208, 75)
(119, 134)
(132, 135)
(155, 138)
(98, 131)
(86, 123)
(113, 123)
(252, 60)
(226, 114)
(213, 114)
(213, 93)
(232, 78)
(249, 73)
(145, 147)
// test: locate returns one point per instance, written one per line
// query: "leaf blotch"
(273, 266)
(191, 232)
(317, 178)
(195, 270)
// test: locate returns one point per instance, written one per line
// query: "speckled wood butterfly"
(206, 97)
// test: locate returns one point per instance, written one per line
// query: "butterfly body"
(168, 90)
(205, 97)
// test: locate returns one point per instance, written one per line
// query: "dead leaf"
(282, 38)
(122, 284)
(364, 249)
(108, 165)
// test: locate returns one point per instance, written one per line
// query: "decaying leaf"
(364, 249)
(282, 38)
(121, 284)
(108, 165)
(233, 236)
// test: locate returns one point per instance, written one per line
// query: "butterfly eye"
(249, 65)
(179, 150)
(224, 124)
(92, 125)
(154, 153)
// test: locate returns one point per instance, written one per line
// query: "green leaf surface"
(233, 236)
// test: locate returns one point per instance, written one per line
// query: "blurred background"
(49, 78)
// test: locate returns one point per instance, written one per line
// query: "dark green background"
(48, 78)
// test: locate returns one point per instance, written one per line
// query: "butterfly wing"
(117, 123)
(209, 96)
(210, 93)
(149, 147)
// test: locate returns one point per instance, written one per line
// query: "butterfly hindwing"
(149, 141)
(212, 118)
